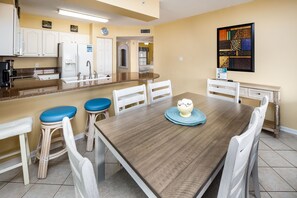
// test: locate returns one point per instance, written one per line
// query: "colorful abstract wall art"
(235, 50)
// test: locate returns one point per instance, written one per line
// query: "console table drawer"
(259, 94)
(243, 92)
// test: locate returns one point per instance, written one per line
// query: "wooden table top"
(174, 160)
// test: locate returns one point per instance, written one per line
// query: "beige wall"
(60, 25)
(194, 39)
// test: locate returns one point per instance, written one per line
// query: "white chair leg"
(90, 141)
(28, 149)
(24, 157)
(256, 179)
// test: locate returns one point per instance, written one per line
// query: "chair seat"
(16, 127)
(97, 104)
(57, 114)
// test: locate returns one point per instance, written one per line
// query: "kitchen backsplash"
(28, 62)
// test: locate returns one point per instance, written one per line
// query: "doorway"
(135, 54)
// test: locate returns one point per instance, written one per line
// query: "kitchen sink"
(85, 78)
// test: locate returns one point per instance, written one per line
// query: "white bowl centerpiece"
(185, 107)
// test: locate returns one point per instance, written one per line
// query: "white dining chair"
(84, 178)
(253, 161)
(128, 99)
(233, 181)
(222, 89)
(159, 91)
(82, 169)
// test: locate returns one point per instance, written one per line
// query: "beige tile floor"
(277, 172)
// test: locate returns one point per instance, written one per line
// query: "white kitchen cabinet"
(32, 42)
(50, 40)
(66, 37)
(73, 38)
(40, 43)
(104, 56)
(9, 30)
(82, 39)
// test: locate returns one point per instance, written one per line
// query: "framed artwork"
(47, 24)
(73, 28)
(235, 48)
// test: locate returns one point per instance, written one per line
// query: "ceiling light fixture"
(82, 16)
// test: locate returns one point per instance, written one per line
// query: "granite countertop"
(29, 87)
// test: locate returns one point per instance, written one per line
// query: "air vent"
(145, 31)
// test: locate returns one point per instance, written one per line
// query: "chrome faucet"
(95, 74)
(90, 69)
(78, 75)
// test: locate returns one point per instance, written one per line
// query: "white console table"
(257, 92)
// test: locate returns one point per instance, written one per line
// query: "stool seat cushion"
(97, 104)
(17, 127)
(57, 114)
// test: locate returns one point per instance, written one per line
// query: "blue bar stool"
(94, 108)
(51, 121)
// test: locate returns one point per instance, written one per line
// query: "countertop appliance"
(4, 74)
(73, 59)
(12, 71)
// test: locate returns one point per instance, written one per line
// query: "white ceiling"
(170, 10)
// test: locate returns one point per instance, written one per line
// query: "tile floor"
(277, 172)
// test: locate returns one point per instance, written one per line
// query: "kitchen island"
(30, 97)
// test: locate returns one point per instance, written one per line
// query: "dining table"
(167, 159)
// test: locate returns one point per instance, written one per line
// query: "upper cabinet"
(66, 37)
(50, 40)
(44, 43)
(32, 42)
(40, 43)
(9, 30)
(73, 38)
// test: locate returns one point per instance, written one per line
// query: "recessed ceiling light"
(82, 16)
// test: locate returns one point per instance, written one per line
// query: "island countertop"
(33, 87)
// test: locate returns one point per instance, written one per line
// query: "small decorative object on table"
(185, 107)
(185, 114)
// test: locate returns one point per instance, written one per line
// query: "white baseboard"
(79, 136)
(288, 130)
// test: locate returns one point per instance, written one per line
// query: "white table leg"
(99, 158)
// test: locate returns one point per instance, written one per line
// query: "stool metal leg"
(24, 157)
(44, 154)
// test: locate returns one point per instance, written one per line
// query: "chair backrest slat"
(159, 91)
(82, 169)
(235, 169)
(223, 90)
(129, 98)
